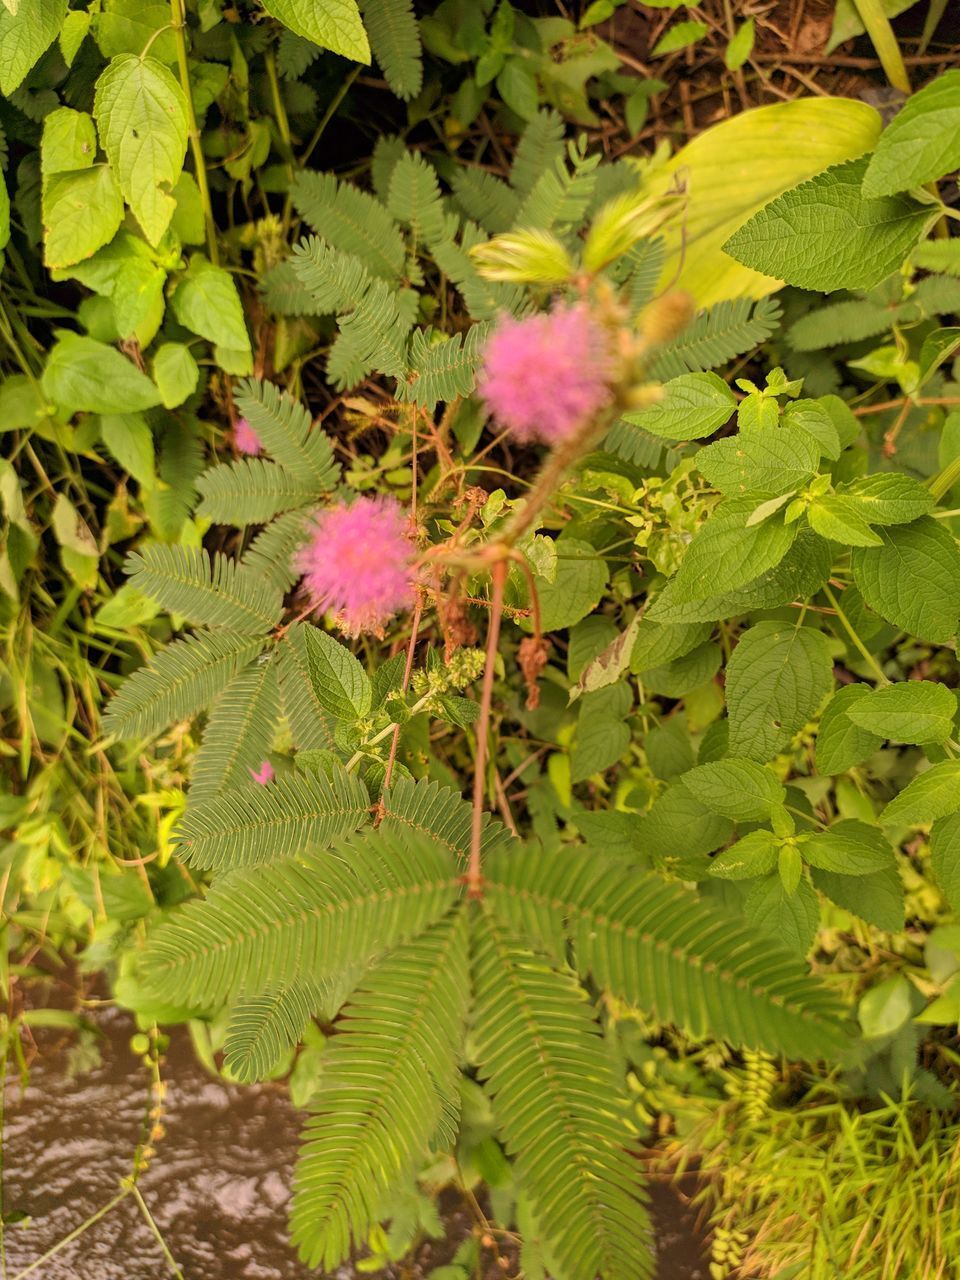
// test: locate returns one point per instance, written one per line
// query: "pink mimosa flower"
(264, 774)
(546, 375)
(246, 439)
(358, 561)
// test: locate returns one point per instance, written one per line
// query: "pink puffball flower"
(264, 774)
(358, 562)
(246, 439)
(546, 375)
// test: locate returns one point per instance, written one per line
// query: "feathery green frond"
(284, 295)
(414, 197)
(285, 429)
(309, 723)
(249, 491)
(561, 195)
(395, 41)
(221, 593)
(294, 54)
(263, 1029)
(556, 1102)
(486, 199)
(644, 266)
(379, 1101)
(483, 298)
(294, 815)
(271, 556)
(842, 322)
(239, 732)
(351, 221)
(312, 916)
(442, 371)
(656, 945)
(179, 681)
(539, 149)
(371, 324)
(442, 814)
(717, 335)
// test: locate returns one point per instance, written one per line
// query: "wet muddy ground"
(218, 1187)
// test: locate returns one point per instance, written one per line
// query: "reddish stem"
(474, 877)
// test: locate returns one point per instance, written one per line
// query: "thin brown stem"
(474, 876)
(407, 671)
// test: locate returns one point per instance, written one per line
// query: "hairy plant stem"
(878, 28)
(179, 23)
(474, 869)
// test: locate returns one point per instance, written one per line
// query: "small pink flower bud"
(246, 439)
(264, 774)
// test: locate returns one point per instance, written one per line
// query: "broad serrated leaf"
(841, 744)
(739, 789)
(341, 685)
(842, 519)
(876, 898)
(913, 580)
(934, 794)
(206, 301)
(945, 857)
(81, 213)
(82, 373)
(826, 234)
(24, 36)
(914, 711)
(727, 553)
(754, 855)
(760, 462)
(890, 497)
(141, 114)
(776, 679)
(576, 588)
(215, 593)
(678, 810)
(332, 24)
(848, 848)
(179, 681)
(922, 141)
(791, 918)
(800, 573)
(693, 406)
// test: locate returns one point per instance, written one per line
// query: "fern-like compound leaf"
(179, 681)
(442, 814)
(312, 916)
(285, 429)
(239, 732)
(297, 813)
(271, 556)
(655, 945)
(350, 221)
(442, 371)
(485, 198)
(722, 333)
(211, 593)
(841, 322)
(373, 332)
(382, 1092)
(395, 40)
(556, 1104)
(414, 197)
(263, 1029)
(539, 149)
(249, 491)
